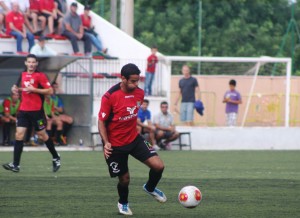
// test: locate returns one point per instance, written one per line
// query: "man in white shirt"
(41, 49)
(5, 7)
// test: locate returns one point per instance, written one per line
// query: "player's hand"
(29, 88)
(14, 89)
(107, 150)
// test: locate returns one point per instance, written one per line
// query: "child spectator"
(73, 30)
(150, 71)
(10, 109)
(15, 26)
(89, 30)
(35, 16)
(232, 98)
(144, 124)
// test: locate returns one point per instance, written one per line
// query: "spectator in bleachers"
(150, 70)
(15, 26)
(41, 49)
(62, 7)
(189, 93)
(232, 98)
(144, 124)
(49, 10)
(73, 30)
(60, 112)
(52, 119)
(10, 109)
(36, 16)
(5, 7)
(90, 32)
(165, 128)
(25, 9)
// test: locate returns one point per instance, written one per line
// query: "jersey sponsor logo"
(103, 114)
(41, 124)
(32, 81)
(131, 109)
(114, 167)
(129, 96)
(26, 83)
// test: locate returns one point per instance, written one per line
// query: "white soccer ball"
(189, 196)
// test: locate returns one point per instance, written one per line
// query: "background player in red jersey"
(117, 127)
(31, 112)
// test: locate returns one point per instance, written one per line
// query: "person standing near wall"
(232, 98)
(189, 93)
(150, 71)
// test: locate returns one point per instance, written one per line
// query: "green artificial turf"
(233, 184)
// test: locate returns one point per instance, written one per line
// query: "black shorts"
(36, 119)
(167, 134)
(118, 160)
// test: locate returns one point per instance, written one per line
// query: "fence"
(76, 79)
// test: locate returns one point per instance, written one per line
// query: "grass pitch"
(233, 184)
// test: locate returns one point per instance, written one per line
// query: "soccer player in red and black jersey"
(33, 85)
(117, 127)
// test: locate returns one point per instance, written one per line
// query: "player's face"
(31, 64)
(144, 106)
(132, 83)
(164, 108)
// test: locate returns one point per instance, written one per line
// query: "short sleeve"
(67, 19)
(6, 106)
(171, 119)
(239, 96)
(44, 82)
(196, 83)
(60, 103)
(180, 84)
(149, 115)
(105, 108)
(156, 119)
(9, 18)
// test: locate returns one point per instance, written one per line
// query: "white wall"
(236, 138)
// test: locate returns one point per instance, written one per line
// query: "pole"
(113, 11)
(102, 8)
(293, 37)
(127, 16)
(287, 93)
(199, 34)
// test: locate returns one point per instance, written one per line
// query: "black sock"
(123, 194)
(6, 132)
(154, 178)
(66, 128)
(51, 148)
(58, 135)
(17, 152)
(49, 132)
(28, 134)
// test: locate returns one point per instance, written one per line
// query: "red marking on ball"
(197, 195)
(183, 197)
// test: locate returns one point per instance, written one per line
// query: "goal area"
(269, 93)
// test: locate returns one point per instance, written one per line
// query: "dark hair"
(31, 56)
(232, 82)
(146, 101)
(164, 102)
(130, 69)
(154, 46)
(87, 7)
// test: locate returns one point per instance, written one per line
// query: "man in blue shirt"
(144, 124)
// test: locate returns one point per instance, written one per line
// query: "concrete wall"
(248, 138)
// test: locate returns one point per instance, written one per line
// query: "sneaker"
(156, 148)
(56, 164)
(11, 167)
(157, 194)
(124, 209)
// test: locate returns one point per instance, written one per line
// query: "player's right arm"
(102, 128)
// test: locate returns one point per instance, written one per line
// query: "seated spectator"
(144, 124)
(35, 16)
(25, 10)
(165, 128)
(89, 30)
(52, 119)
(10, 109)
(66, 120)
(41, 49)
(15, 26)
(73, 30)
(61, 7)
(48, 10)
(5, 7)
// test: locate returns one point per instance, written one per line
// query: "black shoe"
(56, 164)
(11, 167)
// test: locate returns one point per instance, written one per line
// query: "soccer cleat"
(157, 194)
(124, 209)
(11, 167)
(56, 164)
